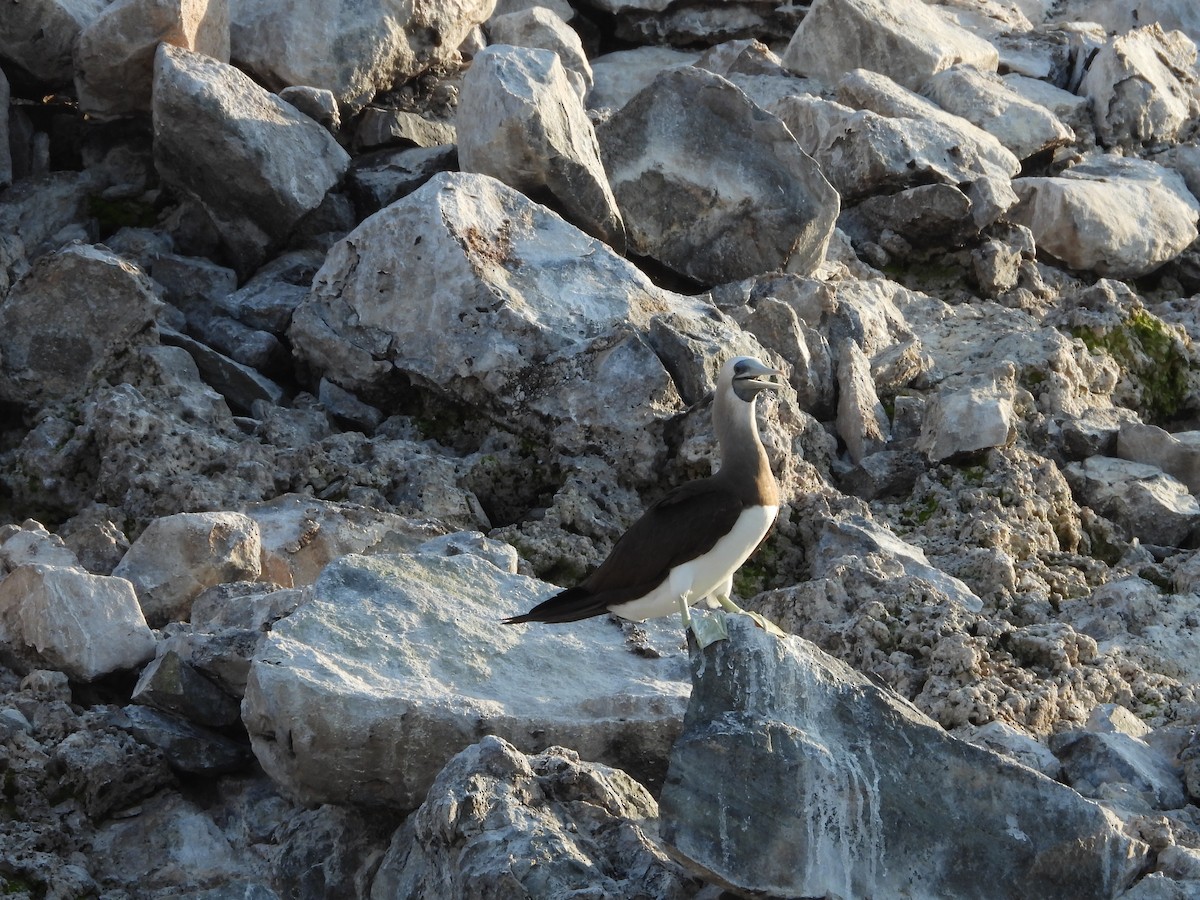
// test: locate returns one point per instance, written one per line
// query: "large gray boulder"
(904, 39)
(796, 776)
(520, 121)
(539, 26)
(352, 49)
(713, 186)
(577, 829)
(57, 340)
(399, 661)
(1117, 217)
(114, 58)
(1145, 501)
(255, 163)
(442, 288)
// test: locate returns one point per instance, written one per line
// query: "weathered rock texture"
(831, 786)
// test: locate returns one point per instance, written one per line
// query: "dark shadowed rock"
(712, 185)
(796, 776)
(46, 356)
(186, 747)
(170, 684)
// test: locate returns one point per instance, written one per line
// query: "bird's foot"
(760, 620)
(708, 628)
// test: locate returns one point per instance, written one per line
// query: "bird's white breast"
(698, 578)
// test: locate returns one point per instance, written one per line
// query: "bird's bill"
(758, 377)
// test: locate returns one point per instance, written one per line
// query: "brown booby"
(686, 547)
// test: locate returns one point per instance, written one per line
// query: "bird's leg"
(708, 629)
(760, 620)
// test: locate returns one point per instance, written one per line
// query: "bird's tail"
(570, 605)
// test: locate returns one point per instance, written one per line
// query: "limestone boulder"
(1120, 16)
(45, 358)
(973, 417)
(39, 37)
(861, 421)
(354, 50)
(908, 41)
(690, 24)
(62, 618)
(865, 153)
(984, 99)
(440, 288)
(539, 26)
(576, 826)
(520, 121)
(1143, 88)
(1117, 217)
(618, 76)
(254, 162)
(30, 543)
(114, 59)
(1176, 454)
(1096, 763)
(1145, 501)
(713, 186)
(796, 776)
(364, 694)
(178, 556)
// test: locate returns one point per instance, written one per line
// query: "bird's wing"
(665, 536)
(661, 539)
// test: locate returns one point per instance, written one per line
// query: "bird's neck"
(743, 459)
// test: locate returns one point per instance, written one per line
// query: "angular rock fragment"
(1148, 503)
(904, 39)
(184, 746)
(973, 417)
(39, 36)
(85, 625)
(540, 27)
(1117, 217)
(441, 288)
(398, 662)
(254, 162)
(1024, 127)
(1176, 454)
(861, 420)
(354, 50)
(1143, 88)
(796, 776)
(1096, 763)
(178, 556)
(576, 828)
(114, 58)
(44, 357)
(520, 122)
(170, 684)
(713, 186)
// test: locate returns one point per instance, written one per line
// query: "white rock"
(520, 122)
(1120, 16)
(538, 26)
(1144, 87)
(300, 535)
(114, 58)
(1073, 111)
(861, 421)
(617, 76)
(863, 153)
(904, 39)
(352, 49)
(85, 625)
(178, 556)
(1117, 217)
(255, 162)
(1148, 503)
(362, 695)
(30, 543)
(986, 100)
(1176, 454)
(974, 417)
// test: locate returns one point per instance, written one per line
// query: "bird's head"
(745, 376)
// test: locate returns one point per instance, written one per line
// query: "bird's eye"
(739, 368)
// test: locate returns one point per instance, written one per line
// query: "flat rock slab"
(399, 662)
(797, 777)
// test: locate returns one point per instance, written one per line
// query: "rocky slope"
(327, 340)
